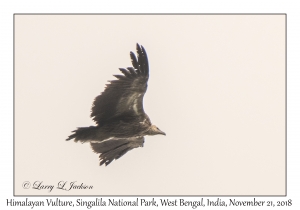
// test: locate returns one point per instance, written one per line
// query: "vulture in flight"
(119, 114)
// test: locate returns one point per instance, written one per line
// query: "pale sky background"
(216, 87)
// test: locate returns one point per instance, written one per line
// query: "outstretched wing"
(124, 96)
(115, 148)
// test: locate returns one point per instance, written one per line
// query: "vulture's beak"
(162, 133)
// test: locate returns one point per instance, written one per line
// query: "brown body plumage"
(119, 114)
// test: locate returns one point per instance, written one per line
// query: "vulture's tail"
(83, 134)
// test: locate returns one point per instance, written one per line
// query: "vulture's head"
(155, 131)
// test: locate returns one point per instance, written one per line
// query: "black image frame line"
(14, 194)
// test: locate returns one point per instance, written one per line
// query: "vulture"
(118, 112)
